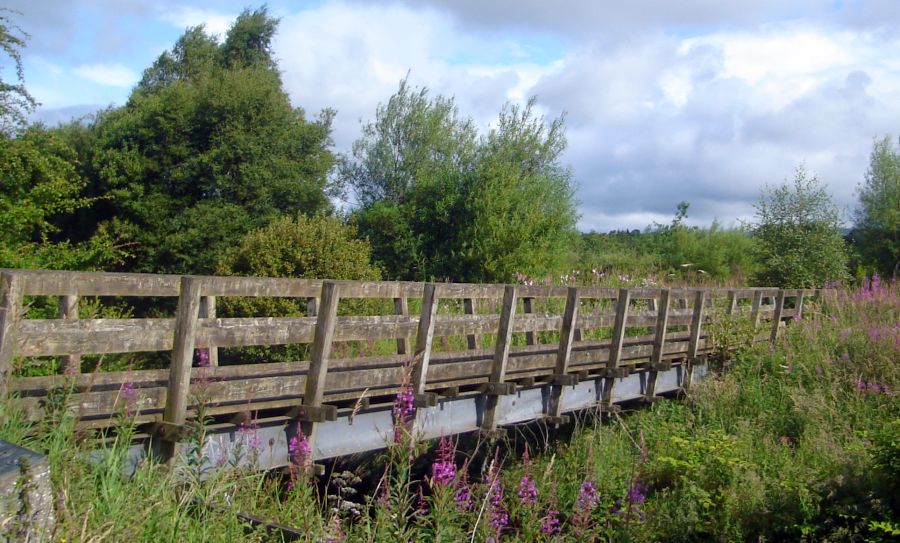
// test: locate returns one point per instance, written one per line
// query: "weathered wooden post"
(732, 302)
(561, 378)
(68, 310)
(401, 307)
(11, 296)
(776, 318)
(208, 311)
(755, 308)
(694, 339)
(311, 411)
(659, 344)
(528, 309)
(613, 370)
(424, 340)
(496, 385)
(473, 341)
(186, 324)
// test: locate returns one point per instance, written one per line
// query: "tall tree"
(15, 100)
(877, 228)
(207, 148)
(439, 201)
(797, 233)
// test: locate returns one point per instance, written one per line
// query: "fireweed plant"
(795, 441)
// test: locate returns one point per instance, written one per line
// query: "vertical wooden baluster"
(401, 307)
(11, 312)
(68, 310)
(528, 308)
(615, 348)
(208, 311)
(776, 319)
(496, 385)
(563, 355)
(312, 307)
(659, 342)
(473, 341)
(799, 304)
(424, 340)
(732, 302)
(179, 386)
(311, 412)
(694, 339)
(755, 308)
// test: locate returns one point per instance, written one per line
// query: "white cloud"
(186, 16)
(114, 75)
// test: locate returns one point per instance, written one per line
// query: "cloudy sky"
(699, 100)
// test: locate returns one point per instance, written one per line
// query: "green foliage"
(317, 247)
(676, 250)
(39, 185)
(207, 149)
(877, 228)
(797, 232)
(15, 101)
(436, 200)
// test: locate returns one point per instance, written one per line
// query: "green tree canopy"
(207, 148)
(15, 101)
(439, 201)
(797, 234)
(877, 228)
(39, 184)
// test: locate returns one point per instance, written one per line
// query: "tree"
(438, 200)
(207, 148)
(38, 185)
(797, 234)
(877, 228)
(15, 101)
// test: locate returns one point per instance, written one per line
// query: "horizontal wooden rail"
(609, 334)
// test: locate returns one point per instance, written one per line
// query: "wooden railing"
(549, 336)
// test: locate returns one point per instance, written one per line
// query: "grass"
(796, 441)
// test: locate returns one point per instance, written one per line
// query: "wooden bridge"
(482, 356)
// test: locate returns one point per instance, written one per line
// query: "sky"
(704, 101)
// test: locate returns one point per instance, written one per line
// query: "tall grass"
(796, 441)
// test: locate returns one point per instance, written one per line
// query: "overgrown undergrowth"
(797, 441)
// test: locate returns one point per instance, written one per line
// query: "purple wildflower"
(499, 517)
(463, 497)
(528, 494)
(550, 523)
(443, 470)
(249, 435)
(202, 358)
(404, 411)
(300, 456)
(130, 396)
(587, 496)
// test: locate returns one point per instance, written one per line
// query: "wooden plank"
(659, 341)
(616, 343)
(693, 340)
(424, 338)
(68, 310)
(501, 355)
(182, 356)
(618, 336)
(732, 302)
(401, 307)
(776, 319)
(321, 351)
(469, 307)
(11, 296)
(755, 307)
(208, 311)
(62, 283)
(564, 353)
(528, 308)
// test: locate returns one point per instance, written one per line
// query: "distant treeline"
(208, 168)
